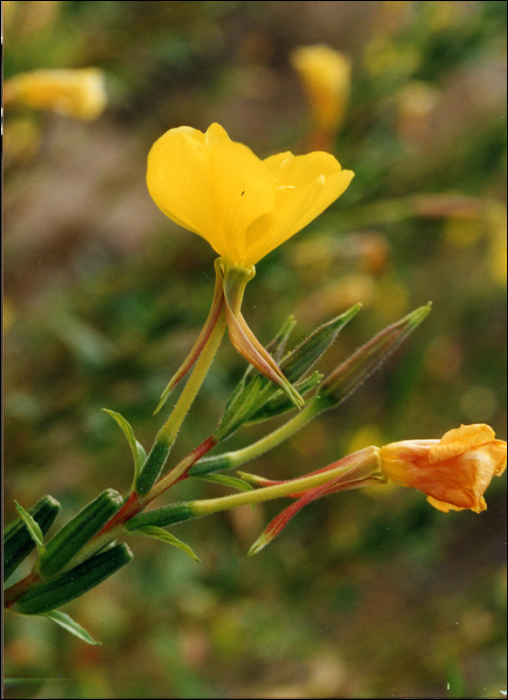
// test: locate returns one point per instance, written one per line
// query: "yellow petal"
(243, 191)
(210, 185)
(304, 187)
(179, 180)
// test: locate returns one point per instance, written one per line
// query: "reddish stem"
(13, 592)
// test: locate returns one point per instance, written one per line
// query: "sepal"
(343, 381)
(279, 402)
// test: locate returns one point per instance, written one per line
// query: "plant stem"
(167, 434)
(287, 488)
(231, 460)
(179, 472)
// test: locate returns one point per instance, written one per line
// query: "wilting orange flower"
(454, 471)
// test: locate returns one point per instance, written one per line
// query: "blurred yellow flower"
(454, 471)
(242, 205)
(326, 76)
(78, 93)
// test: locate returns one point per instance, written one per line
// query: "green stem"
(167, 434)
(268, 493)
(180, 470)
(231, 460)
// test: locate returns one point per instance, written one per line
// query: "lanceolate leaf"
(138, 451)
(70, 625)
(230, 481)
(168, 538)
(33, 528)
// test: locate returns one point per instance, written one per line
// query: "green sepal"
(18, 542)
(344, 380)
(137, 449)
(279, 403)
(71, 584)
(244, 402)
(34, 529)
(224, 480)
(78, 531)
(255, 390)
(300, 360)
(66, 621)
(152, 468)
(247, 392)
(159, 534)
(160, 517)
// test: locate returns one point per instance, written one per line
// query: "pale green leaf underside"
(33, 528)
(230, 481)
(160, 534)
(70, 625)
(138, 451)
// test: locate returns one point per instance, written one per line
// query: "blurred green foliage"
(367, 594)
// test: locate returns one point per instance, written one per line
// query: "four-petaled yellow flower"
(454, 471)
(242, 205)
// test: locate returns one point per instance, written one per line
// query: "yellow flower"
(454, 471)
(78, 93)
(242, 205)
(326, 76)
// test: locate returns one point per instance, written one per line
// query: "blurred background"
(366, 594)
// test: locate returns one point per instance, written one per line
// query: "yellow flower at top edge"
(326, 76)
(244, 206)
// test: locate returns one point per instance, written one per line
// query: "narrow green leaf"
(230, 481)
(17, 540)
(33, 528)
(70, 625)
(160, 534)
(138, 451)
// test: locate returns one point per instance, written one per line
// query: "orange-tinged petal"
(457, 441)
